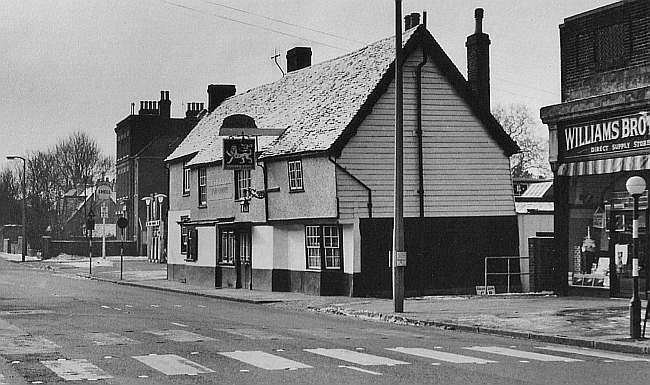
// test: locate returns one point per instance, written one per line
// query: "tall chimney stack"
(298, 58)
(165, 105)
(217, 93)
(478, 61)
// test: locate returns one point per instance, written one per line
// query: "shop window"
(203, 187)
(186, 181)
(242, 184)
(323, 247)
(295, 175)
(245, 247)
(227, 247)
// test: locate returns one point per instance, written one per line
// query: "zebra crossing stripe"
(356, 357)
(106, 339)
(441, 356)
(255, 334)
(76, 370)
(265, 360)
(521, 354)
(180, 335)
(593, 353)
(171, 364)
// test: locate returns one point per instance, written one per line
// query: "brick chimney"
(165, 105)
(478, 60)
(193, 109)
(217, 93)
(298, 58)
(148, 107)
(412, 20)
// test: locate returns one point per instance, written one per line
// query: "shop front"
(595, 156)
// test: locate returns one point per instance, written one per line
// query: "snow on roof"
(314, 105)
(537, 190)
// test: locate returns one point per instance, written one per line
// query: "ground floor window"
(234, 246)
(323, 246)
(192, 245)
(227, 247)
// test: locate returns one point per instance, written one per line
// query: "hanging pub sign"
(619, 136)
(238, 154)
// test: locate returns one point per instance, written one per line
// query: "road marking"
(265, 360)
(360, 370)
(75, 370)
(255, 334)
(106, 339)
(25, 344)
(181, 325)
(171, 364)
(180, 335)
(593, 353)
(356, 357)
(441, 356)
(521, 354)
(326, 333)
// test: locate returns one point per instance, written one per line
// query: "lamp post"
(148, 201)
(24, 204)
(635, 186)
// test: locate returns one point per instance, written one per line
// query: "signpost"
(90, 227)
(103, 193)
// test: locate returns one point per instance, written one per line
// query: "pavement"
(598, 323)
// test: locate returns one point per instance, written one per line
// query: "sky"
(77, 65)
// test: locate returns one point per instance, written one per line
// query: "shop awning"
(605, 166)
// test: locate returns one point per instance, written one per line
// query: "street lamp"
(161, 228)
(635, 186)
(24, 207)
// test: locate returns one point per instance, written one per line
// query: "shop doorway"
(235, 259)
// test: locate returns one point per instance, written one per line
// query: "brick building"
(598, 140)
(144, 140)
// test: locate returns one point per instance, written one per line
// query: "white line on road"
(360, 370)
(171, 364)
(593, 353)
(441, 356)
(177, 324)
(521, 354)
(75, 370)
(180, 335)
(265, 360)
(356, 357)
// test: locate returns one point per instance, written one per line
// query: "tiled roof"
(314, 105)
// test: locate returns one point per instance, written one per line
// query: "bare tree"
(80, 160)
(532, 161)
(9, 197)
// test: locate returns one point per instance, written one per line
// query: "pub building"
(599, 139)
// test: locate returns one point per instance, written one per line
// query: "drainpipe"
(266, 194)
(418, 72)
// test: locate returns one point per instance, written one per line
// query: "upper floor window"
(186, 180)
(242, 184)
(203, 187)
(184, 235)
(295, 175)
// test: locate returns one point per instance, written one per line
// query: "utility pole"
(399, 254)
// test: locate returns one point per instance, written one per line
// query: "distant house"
(78, 204)
(144, 140)
(315, 213)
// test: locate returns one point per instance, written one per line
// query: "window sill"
(203, 206)
(190, 260)
(186, 194)
(302, 190)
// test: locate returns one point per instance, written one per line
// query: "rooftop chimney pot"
(217, 93)
(478, 15)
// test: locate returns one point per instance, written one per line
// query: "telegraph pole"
(399, 254)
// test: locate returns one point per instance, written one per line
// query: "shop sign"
(238, 154)
(608, 137)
